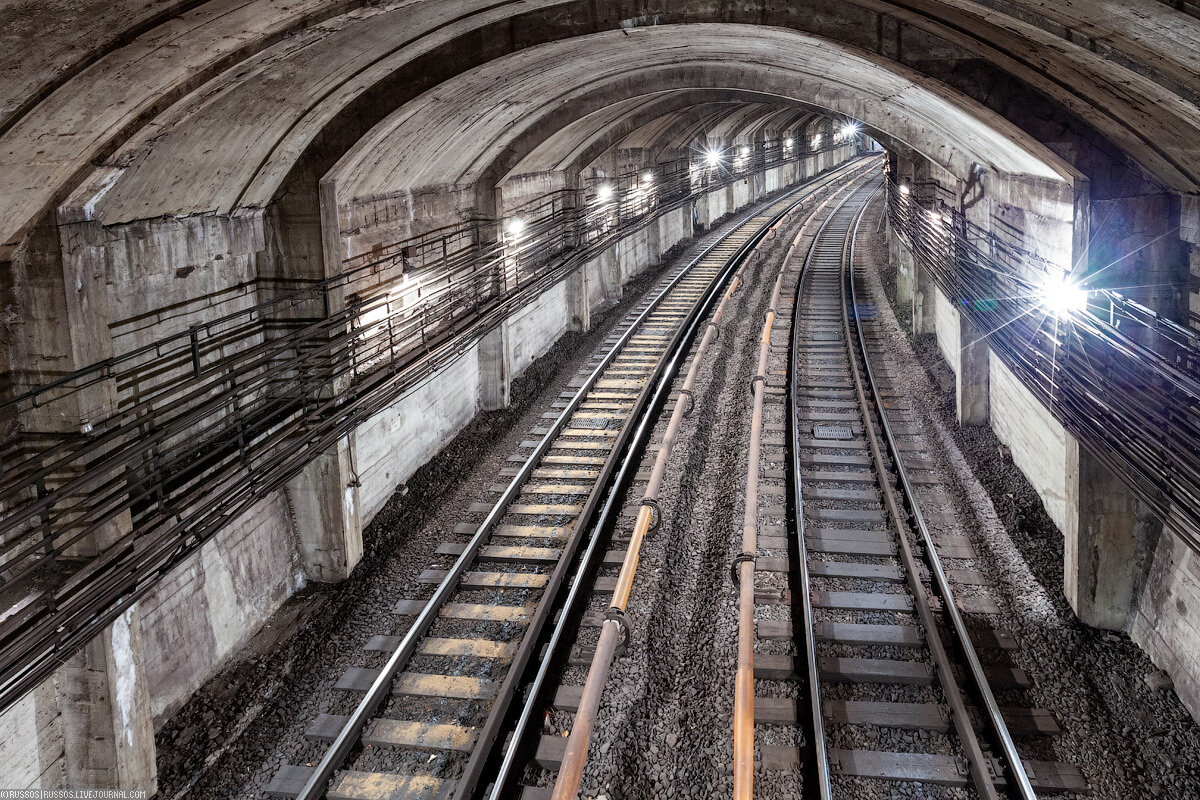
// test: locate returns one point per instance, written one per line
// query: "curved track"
(888, 661)
(434, 719)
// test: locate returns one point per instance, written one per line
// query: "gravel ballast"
(237, 730)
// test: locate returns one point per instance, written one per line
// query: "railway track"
(880, 678)
(445, 712)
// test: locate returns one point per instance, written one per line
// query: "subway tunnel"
(297, 296)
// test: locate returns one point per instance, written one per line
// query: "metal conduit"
(1122, 380)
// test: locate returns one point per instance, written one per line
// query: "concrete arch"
(275, 88)
(577, 144)
(526, 101)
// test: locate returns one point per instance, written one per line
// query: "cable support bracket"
(755, 380)
(738, 560)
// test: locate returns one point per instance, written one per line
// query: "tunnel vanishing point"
(262, 260)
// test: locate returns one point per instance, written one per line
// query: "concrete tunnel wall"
(210, 605)
(124, 126)
(1161, 575)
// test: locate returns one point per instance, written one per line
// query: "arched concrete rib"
(489, 119)
(237, 90)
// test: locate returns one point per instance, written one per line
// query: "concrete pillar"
(1138, 248)
(327, 515)
(905, 269)
(324, 496)
(579, 311)
(972, 374)
(1109, 538)
(107, 725)
(924, 303)
(495, 374)
(84, 339)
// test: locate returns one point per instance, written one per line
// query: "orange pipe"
(743, 692)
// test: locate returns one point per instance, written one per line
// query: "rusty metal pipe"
(570, 773)
(743, 698)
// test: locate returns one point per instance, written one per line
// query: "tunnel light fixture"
(648, 178)
(849, 129)
(515, 226)
(816, 142)
(787, 142)
(604, 193)
(745, 152)
(904, 189)
(1063, 297)
(712, 158)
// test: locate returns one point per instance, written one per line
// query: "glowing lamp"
(787, 143)
(515, 226)
(1062, 297)
(904, 189)
(648, 178)
(604, 193)
(849, 130)
(713, 158)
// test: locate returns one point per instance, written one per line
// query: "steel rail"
(1012, 759)
(570, 773)
(743, 703)
(976, 761)
(608, 514)
(349, 735)
(817, 719)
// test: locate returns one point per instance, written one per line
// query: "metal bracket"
(655, 512)
(618, 616)
(738, 560)
(755, 380)
(691, 401)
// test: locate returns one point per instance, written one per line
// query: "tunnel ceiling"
(134, 110)
(487, 119)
